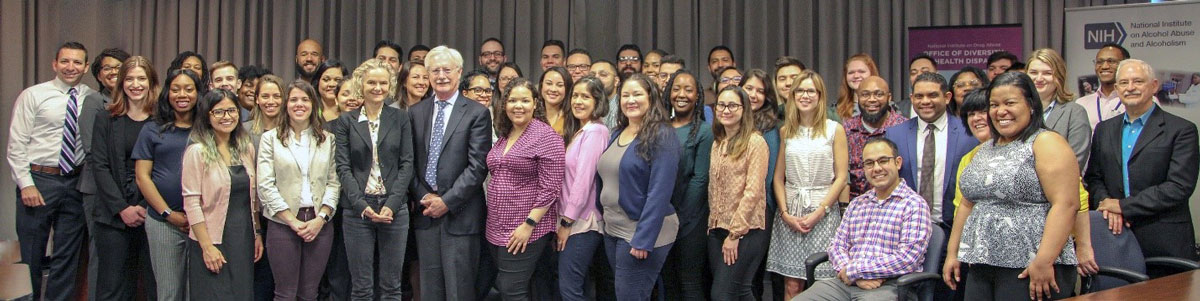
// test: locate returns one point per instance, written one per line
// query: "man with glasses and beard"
(629, 60)
(491, 57)
(309, 56)
(874, 102)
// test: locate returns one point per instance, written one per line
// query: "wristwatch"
(530, 222)
(564, 223)
(165, 213)
(324, 216)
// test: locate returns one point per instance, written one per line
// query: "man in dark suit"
(1143, 168)
(935, 142)
(452, 139)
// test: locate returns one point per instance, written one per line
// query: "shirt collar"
(1111, 95)
(301, 139)
(939, 123)
(62, 86)
(452, 100)
(873, 198)
(1142, 119)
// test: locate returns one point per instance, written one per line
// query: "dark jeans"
(735, 282)
(125, 259)
(686, 271)
(515, 271)
(63, 212)
(299, 264)
(574, 262)
(485, 276)
(363, 238)
(634, 278)
(988, 282)
(335, 285)
(264, 280)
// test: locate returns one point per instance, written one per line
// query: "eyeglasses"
(969, 83)
(224, 112)
(880, 161)
(481, 90)
(726, 80)
(867, 94)
(492, 54)
(507, 78)
(627, 59)
(1102, 62)
(579, 67)
(731, 107)
(110, 68)
(441, 71)
(806, 92)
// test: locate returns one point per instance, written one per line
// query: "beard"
(873, 118)
(304, 74)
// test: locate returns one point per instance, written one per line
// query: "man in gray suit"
(47, 143)
(452, 136)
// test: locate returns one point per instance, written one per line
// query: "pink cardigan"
(206, 192)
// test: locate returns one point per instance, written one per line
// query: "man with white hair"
(452, 138)
(1143, 168)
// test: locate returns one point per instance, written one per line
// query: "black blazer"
(354, 158)
(109, 179)
(461, 167)
(1163, 166)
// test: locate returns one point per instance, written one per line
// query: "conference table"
(1182, 286)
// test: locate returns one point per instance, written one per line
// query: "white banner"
(1163, 34)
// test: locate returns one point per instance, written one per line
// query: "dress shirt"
(447, 110)
(939, 167)
(1101, 107)
(1130, 130)
(857, 134)
(36, 133)
(375, 185)
(882, 238)
(299, 146)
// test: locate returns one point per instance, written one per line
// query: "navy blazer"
(959, 142)
(647, 186)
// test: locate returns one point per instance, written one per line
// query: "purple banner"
(954, 47)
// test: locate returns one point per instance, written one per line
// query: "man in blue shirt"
(1143, 168)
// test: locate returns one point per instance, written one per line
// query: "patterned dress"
(809, 172)
(1005, 227)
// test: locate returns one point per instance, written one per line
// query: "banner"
(1162, 34)
(954, 47)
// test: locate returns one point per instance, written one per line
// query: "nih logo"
(1095, 35)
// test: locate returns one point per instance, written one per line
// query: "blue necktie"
(68, 157)
(435, 144)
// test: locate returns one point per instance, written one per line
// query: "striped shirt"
(882, 238)
(528, 176)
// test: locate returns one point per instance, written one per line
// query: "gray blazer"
(280, 181)
(1070, 120)
(93, 104)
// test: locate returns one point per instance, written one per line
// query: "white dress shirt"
(36, 133)
(939, 167)
(446, 118)
(301, 150)
(1101, 107)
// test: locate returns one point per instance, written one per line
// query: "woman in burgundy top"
(526, 166)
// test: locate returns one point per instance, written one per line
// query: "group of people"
(406, 177)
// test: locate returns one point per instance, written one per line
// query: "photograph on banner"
(955, 47)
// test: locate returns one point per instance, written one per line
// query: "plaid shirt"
(882, 238)
(856, 137)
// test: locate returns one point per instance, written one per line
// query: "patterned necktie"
(68, 158)
(435, 144)
(928, 159)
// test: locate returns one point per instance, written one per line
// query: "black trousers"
(988, 282)
(736, 282)
(62, 213)
(122, 257)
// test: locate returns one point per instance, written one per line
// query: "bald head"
(876, 83)
(873, 98)
(309, 56)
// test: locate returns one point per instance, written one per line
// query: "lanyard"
(1099, 109)
(1049, 109)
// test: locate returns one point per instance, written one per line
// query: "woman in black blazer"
(375, 165)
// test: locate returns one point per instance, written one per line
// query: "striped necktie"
(68, 158)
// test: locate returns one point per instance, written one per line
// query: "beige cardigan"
(279, 181)
(206, 192)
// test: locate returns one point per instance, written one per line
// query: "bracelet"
(565, 224)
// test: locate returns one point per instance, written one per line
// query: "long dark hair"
(697, 107)
(1025, 84)
(177, 63)
(567, 84)
(979, 74)
(766, 118)
(165, 113)
(653, 123)
(315, 121)
(203, 134)
(500, 121)
(599, 106)
(402, 83)
(325, 66)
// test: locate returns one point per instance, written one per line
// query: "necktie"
(68, 158)
(435, 144)
(928, 159)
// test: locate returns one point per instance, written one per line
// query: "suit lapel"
(1055, 116)
(386, 114)
(911, 149)
(362, 128)
(1152, 129)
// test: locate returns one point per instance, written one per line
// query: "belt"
(54, 170)
(306, 214)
